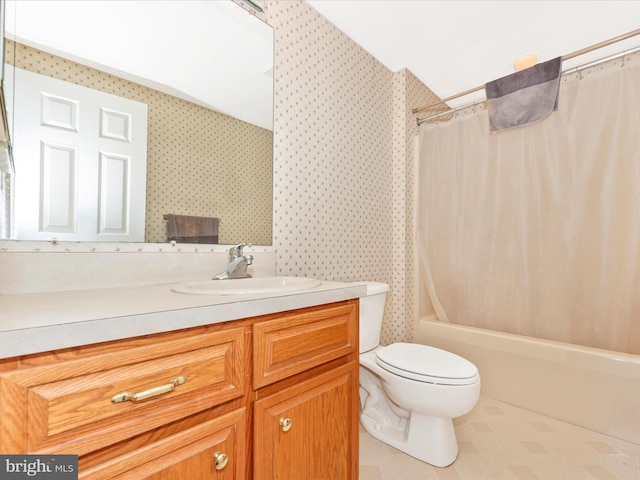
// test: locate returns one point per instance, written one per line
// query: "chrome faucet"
(238, 263)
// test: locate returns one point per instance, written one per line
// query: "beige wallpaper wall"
(409, 93)
(199, 162)
(343, 176)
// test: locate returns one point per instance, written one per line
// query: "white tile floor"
(498, 441)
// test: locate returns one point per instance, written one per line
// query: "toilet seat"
(427, 364)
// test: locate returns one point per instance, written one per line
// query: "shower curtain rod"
(577, 53)
(569, 71)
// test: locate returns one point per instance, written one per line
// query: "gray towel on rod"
(192, 229)
(524, 97)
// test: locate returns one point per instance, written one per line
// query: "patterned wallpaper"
(409, 92)
(344, 162)
(199, 162)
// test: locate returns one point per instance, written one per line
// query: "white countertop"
(39, 322)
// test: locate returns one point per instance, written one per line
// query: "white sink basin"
(247, 286)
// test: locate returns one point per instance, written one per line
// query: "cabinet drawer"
(293, 343)
(190, 455)
(70, 402)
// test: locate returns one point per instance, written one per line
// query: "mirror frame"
(7, 169)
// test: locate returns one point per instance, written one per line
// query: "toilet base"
(412, 416)
(427, 438)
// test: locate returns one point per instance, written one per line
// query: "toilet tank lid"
(374, 288)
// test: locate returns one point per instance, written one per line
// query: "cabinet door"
(310, 430)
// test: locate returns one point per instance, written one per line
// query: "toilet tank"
(371, 314)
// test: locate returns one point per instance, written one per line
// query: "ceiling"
(456, 45)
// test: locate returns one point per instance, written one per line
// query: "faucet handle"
(236, 251)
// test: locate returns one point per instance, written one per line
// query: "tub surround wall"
(589, 387)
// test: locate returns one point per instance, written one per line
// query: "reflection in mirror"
(204, 157)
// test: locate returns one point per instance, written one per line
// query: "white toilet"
(410, 393)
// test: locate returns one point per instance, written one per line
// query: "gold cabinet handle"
(220, 460)
(152, 392)
(285, 424)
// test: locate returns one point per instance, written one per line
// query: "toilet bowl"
(410, 393)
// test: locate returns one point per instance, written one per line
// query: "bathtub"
(589, 387)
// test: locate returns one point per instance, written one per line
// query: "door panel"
(80, 158)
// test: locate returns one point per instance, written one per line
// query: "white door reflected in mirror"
(83, 156)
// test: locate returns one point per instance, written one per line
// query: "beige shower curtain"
(536, 231)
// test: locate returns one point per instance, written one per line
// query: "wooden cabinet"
(306, 414)
(200, 403)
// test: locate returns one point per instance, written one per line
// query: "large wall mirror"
(202, 71)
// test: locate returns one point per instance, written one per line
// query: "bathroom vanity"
(226, 387)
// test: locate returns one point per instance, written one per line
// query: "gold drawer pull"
(286, 423)
(220, 460)
(152, 392)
